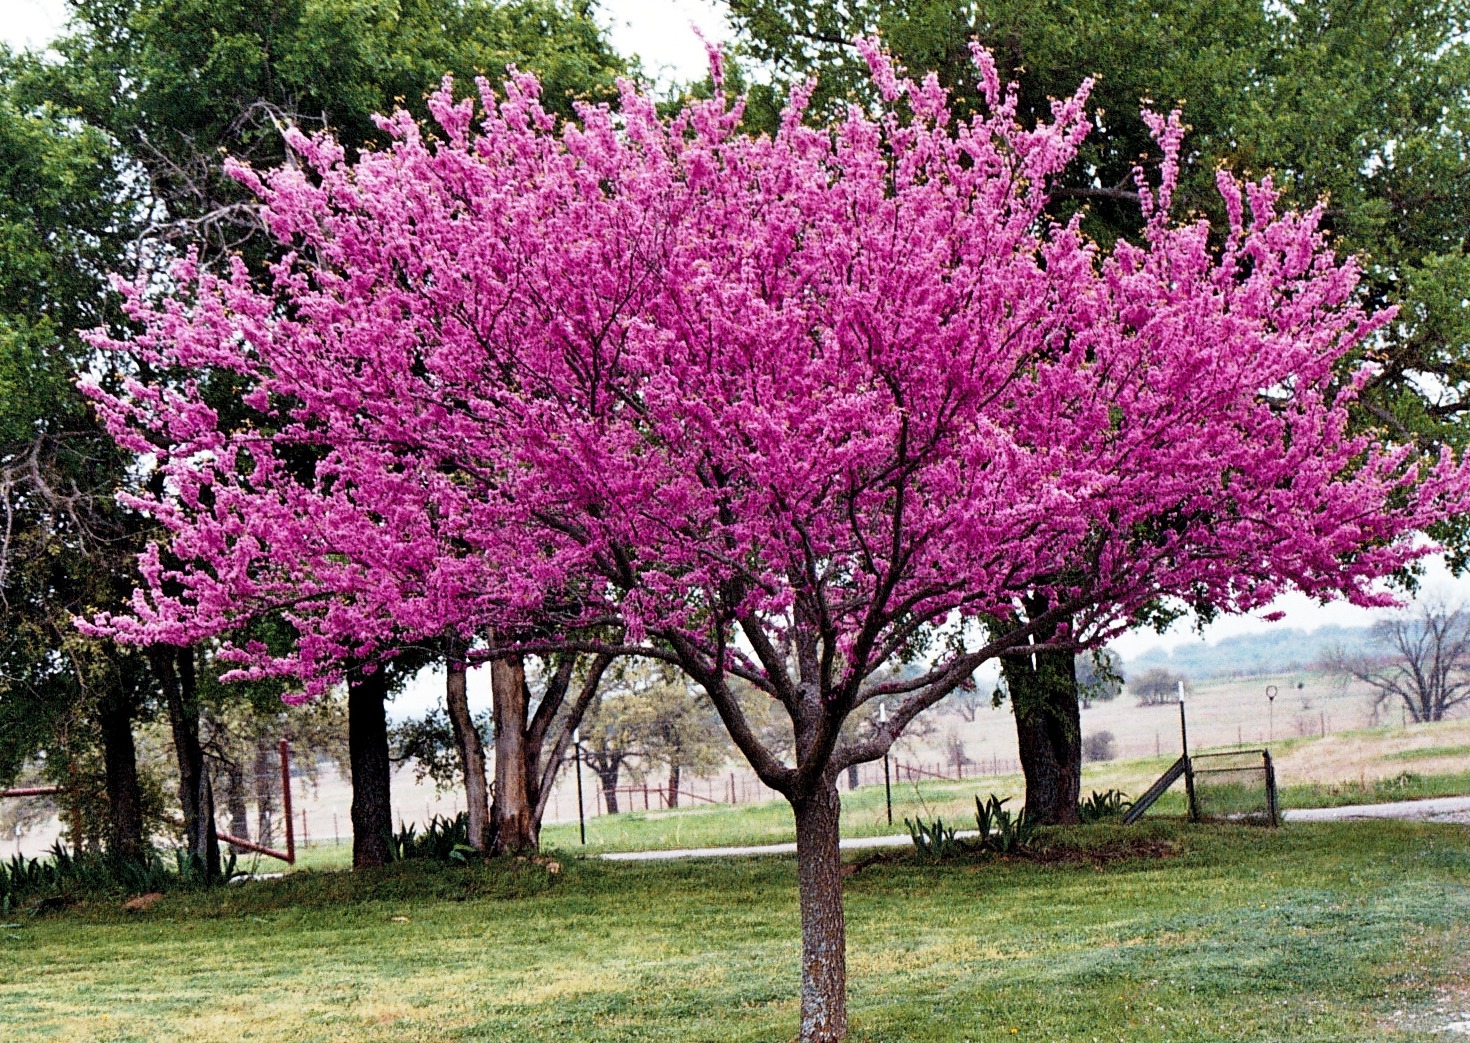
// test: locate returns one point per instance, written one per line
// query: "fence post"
(1271, 804)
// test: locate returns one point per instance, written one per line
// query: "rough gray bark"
(471, 752)
(516, 828)
(235, 802)
(367, 750)
(823, 928)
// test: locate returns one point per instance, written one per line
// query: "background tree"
(1157, 687)
(66, 546)
(181, 85)
(668, 725)
(1100, 677)
(1427, 671)
(114, 146)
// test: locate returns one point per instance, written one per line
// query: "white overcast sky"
(662, 34)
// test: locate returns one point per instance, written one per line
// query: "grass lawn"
(1324, 932)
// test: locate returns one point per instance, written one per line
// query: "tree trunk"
(367, 750)
(471, 752)
(266, 766)
(852, 777)
(235, 803)
(608, 776)
(823, 932)
(174, 668)
(120, 762)
(511, 815)
(672, 800)
(1043, 691)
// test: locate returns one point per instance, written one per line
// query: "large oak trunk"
(512, 814)
(367, 749)
(120, 762)
(471, 753)
(823, 930)
(1044, 699)
(174, 668)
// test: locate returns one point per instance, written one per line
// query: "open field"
(1321, 933)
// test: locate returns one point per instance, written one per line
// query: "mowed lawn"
(1323, 932)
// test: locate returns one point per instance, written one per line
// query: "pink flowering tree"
(783, 411)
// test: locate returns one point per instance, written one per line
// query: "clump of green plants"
(1001, 831)
(1403, 782)
(443, 840)
(934, 841)
(1104, 806)
(63, 878)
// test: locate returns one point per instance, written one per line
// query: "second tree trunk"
(367, 749)
(512, 816)
(471, 752)
(1043, 691)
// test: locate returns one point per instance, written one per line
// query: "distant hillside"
(1247, 655)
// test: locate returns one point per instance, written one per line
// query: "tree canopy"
(837, 392)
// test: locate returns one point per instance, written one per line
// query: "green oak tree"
(139, 102)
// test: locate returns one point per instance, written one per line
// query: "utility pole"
(577, 754)
(887, 784)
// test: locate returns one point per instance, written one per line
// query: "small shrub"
(1000, 831)
(933, 842)
(443, 840)
(1099, 746)
(1103, 806)
(1403, 782)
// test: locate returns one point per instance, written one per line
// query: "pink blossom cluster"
(836, 389)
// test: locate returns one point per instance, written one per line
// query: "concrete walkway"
(1435, 809)
(850, 844)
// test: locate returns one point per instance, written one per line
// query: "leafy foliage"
(1364, 105)
(64, 878)
(443, 840)
(933, 841)
(1099, 746)
(999, 830)
(1101, 807)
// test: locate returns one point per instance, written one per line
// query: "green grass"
(1406, 786)
(1427, 753)
(1311, 933)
